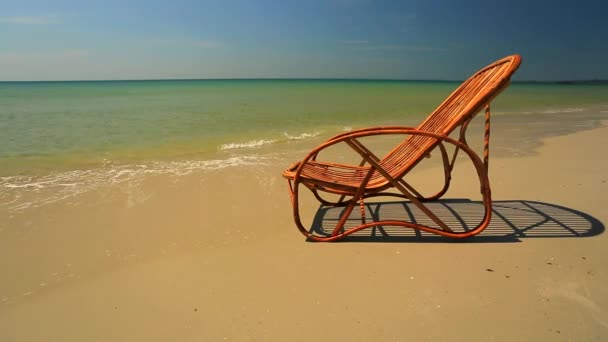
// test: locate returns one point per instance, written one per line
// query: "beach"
(199, 244)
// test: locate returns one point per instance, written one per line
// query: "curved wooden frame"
(388, 174)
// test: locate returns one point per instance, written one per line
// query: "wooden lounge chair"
(378, 176)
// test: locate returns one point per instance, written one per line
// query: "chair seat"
(329, 174)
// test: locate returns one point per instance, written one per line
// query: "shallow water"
(66, 138)
(50, 126)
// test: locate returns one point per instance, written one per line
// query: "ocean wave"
(562, 110)
(21, 192)
(301, 136)
(249, 144)
(261, 142)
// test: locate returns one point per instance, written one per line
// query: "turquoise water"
(58, 126)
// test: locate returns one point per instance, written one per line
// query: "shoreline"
(512, 136)
(68, 127)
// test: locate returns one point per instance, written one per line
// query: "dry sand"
(216, 257)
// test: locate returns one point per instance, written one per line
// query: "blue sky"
(421, 39)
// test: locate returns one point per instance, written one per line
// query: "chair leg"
(338, 231)
(447, 174)
(294, 195)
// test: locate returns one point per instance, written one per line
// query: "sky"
(418, 39)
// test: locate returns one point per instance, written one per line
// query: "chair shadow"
(512, 220)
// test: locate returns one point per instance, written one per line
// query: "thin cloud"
(32, 20)
(366, 45)
(353, 42)
(424, 48)
(396, 47)
(386, 47)
(350, 3)
(75, 53)
(206, 44)
(16, 57)
(188, 42)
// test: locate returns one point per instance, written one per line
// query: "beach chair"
(385, 176)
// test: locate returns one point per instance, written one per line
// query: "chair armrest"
(368, 129)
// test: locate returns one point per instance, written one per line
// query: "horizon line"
(293, 79)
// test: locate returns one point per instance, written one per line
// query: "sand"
(191, 259)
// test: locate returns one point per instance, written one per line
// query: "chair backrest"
(462, 105)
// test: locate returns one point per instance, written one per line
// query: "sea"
(72, 136)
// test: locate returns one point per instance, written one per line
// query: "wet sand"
(215, 256)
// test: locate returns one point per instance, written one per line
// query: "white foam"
(249, 144)
(301, 136)
(18, 193)
(261, 142)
